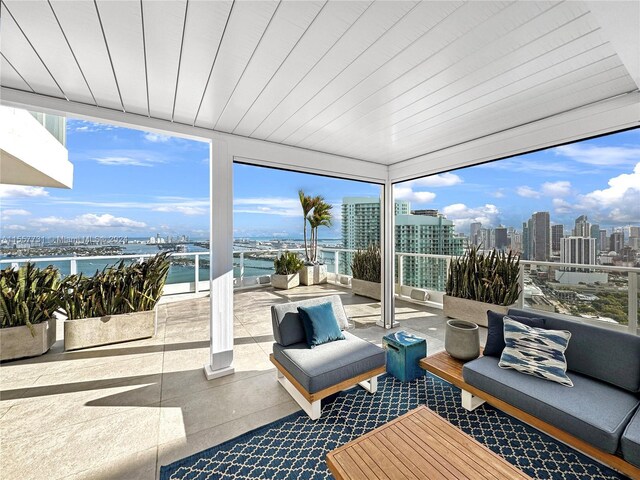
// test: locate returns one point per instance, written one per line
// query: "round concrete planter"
(17, 342)
(462, 339)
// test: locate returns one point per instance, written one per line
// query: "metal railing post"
(197, 273)
(632, 283)
(241, 268)
(73, 266)
(400, 272)
(521, 282)
(15, 265)
(336, 263)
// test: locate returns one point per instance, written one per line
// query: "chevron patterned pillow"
(536, 351)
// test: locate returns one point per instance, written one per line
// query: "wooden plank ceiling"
(379, 81)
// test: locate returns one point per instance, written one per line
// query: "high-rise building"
(474, 233)
(582, 227)
(594, 232)
(580, 250)
(486, 238)
(603, 241)
(616, 241)
(539, 237)
(634, 232)
(414, 234)
(557, 233)
(526, 244)
(501, 238)
(426, 234)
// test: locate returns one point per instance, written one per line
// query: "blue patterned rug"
(295, 447)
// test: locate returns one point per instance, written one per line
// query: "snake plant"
(28, 295)
(367, 264)
(120, 288)
(490, 278)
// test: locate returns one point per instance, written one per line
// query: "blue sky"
(134, 183)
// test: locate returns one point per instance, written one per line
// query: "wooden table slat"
(419, 444)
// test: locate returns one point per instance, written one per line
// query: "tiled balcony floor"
(121, 411)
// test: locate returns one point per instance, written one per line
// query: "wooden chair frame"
(311, 402)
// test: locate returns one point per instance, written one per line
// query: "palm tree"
(320, 217)
(307, 204)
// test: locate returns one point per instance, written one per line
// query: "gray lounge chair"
(309, 375)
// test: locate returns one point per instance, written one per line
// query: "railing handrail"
(605, 268)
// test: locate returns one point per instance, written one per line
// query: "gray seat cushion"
(287, 325)
(593, 411)
(630, 441)
(608, 355)
(330, 363)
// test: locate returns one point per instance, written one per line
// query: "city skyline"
(135, 183)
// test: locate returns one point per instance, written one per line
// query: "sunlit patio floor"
(122, 411)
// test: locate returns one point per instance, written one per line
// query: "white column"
(221, 262)
(388, 260)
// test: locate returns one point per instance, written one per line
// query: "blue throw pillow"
(320, 324)
(536, 351)
(495, 331)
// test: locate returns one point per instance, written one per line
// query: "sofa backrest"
(287, 325)
(601, 353)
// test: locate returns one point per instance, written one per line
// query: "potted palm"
(317, 213)
(366, 269)
(478, 282)
(29, 297)
(115, 305)
(286, 266)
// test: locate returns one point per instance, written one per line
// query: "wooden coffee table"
(418, 445)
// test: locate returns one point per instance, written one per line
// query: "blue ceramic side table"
(404, 351)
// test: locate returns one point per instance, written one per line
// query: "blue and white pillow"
(536, 351)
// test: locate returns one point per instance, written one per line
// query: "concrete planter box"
(470, 310)
(92, 332)
(366, 289)
(17, 342)
(313, 274)
(285, 282)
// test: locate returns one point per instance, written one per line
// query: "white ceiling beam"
(600, 118)
(620, 22)
(249, 150)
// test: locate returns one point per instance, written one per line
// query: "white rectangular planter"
(285, 282)
(91, 332)
(313, 274)
(470, 310)
(17, 342)
(366, 289)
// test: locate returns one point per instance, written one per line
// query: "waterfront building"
(616, 241)
(578, 250)
(426, 234)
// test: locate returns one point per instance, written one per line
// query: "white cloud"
(15, 212)
(599, 156)
(463, 215)
(21, 191)
(527, 192)
(285, 207)
(184, 209)
(84, 126)
(617, 204)
(407, 193)
(120, 161)
(446, 179)
(14, 227)
(156, 137)
(90, 220)
(561, 188)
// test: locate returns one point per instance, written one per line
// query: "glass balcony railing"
(604, 295)
(55, 125)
